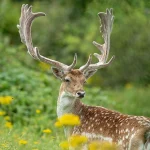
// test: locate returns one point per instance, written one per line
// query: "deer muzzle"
(80, 94)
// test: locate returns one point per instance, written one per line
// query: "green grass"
(34, 89)
(129, 101)
(133, 100)
(36, 140)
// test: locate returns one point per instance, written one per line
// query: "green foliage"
(10, 138)
(34, 89)
(128, 100)
(65, 32)
(72, 28)
(25, 86)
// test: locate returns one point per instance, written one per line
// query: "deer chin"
(69, 94)
(72, 95)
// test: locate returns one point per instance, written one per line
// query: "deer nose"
(81, 94)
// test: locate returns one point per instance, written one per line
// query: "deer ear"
(89, 73)
(58, 73)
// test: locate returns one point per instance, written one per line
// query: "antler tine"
(87, 64)
(105, 28)
(73, 63)
(26, 19)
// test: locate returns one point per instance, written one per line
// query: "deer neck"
(67, 103)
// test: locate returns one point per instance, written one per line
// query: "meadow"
(27, 120)
(28, 89)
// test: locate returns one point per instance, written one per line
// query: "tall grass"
(33, 109)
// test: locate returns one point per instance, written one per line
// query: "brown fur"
(76, 84)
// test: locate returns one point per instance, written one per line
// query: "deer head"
(72, 79)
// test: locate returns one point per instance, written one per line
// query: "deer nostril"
(81, 94)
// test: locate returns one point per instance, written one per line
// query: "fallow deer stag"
(97, 123)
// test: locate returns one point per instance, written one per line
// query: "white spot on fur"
(130, 141)
(120, 142)
(132, 129)
(127, 130)
(97, 136)
(127, 136)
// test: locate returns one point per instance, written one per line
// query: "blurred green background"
(70, 27)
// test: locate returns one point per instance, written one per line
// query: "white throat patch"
(65, 104)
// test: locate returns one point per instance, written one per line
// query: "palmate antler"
(26, 19)
(106, 28)
(24, 27)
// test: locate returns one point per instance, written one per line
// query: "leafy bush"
(34, 90)
(66, 32)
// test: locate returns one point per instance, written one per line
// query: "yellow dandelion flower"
(7, 118)
(95, 145)
(2, 113)
(23, 142)
(38, 111)
(8, 124)
(108, 146)
(64, 145)
(77, 140)
(58, 124)
(6, 100)
(73, 141)
(68, 120)
(47, 131)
